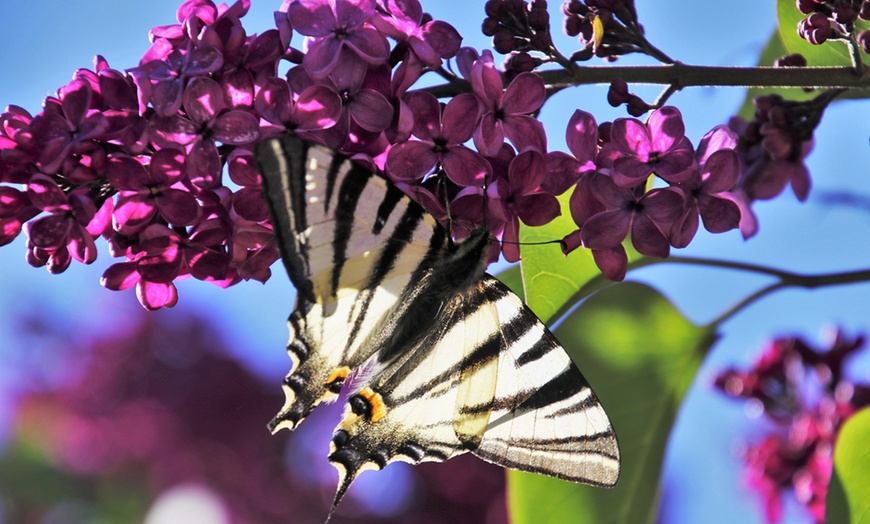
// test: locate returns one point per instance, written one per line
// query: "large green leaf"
(849, 494)
(640, 355)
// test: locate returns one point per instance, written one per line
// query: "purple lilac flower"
(519, 196)
(506, 111)
(648, 216)
(205, 121)
(441, 136)
(65, 124)
(804, 392)
(69, 229)
(430, 42)
(659, 147)
(336, 25)
(705, 190)
(145, 192)
(316, 107)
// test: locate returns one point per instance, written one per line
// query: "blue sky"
(44, 41)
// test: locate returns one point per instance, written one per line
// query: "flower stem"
(685, 75)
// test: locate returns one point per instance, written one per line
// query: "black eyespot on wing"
(360, 406)
(340, 438)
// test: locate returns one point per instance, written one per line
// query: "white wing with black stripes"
(457, 363)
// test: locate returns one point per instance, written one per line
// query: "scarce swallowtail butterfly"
(455, 361)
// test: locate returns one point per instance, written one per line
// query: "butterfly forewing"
(350, 245)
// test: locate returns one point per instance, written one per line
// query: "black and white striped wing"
(456, 362)
(351, 243)
(489, 379)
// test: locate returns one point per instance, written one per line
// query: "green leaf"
(849, 494)
(554, 276)
(640, 355)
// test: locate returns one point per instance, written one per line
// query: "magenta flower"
(705, 189)
(430, 42)
(565, 170)
(316, 107)
(441, 137)
(164, 257)
(206, 120)
(15, 210)
(168, 75)
(145, 192)
(248, 202)
(507, 110)
(519, 197)
(69, 230)
(334, 25)
(648, 216)
(659, 147)
(66, 124)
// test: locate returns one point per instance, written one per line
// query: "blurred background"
(110, 414)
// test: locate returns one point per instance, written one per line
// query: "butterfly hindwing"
(489, 379)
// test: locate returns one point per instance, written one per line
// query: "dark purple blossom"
(66, 124)
(430, 42)
(648, 216)
(519, 197)
(659, 147)
(168, 75)
(441, 138)
(335, 25)
(205, 121)
(316, 107)
(146, 191)
(68, 231)
(506, 111)
(705, 190)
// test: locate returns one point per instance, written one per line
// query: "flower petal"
(410, 160)
(464, 166)
(371, 110)
(582, 136)
(525, 94)
(203, 99)
(607, 229)
(666, 128)
(460, 118)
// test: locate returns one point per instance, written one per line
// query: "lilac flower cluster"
(142, 157)
(833, 20)
(771, 150)
(605, 28)
(805, 392)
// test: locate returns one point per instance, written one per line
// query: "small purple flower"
(430, 42)
(206, 120)
(316, 107)
(519, 197)
(334, 25)
(441, 138)
(66, 124)
(507, 110)
(565, 170)
(146, 191)
(168, 76)
(164, 257)
(70, 228)
(648, 216)
(705, 190)
(659, 147)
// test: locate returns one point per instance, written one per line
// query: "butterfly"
(445, 358)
